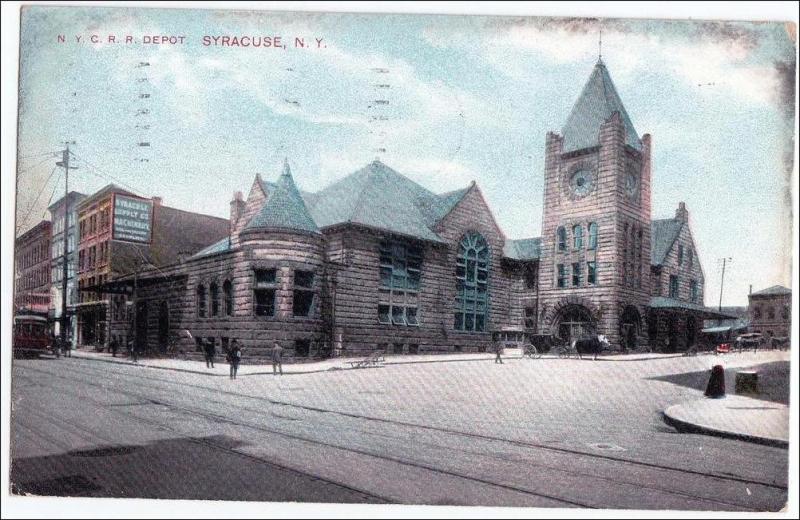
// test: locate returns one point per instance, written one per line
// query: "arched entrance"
(574, 322)
(629, 328)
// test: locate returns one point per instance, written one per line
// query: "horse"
(590, 345)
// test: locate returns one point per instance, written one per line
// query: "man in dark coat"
(277, 354)
(211, 351)
(234, 357)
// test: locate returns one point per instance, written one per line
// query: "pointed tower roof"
(596, 104)
(285, 208)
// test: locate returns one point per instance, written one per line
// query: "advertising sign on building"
(132, 218)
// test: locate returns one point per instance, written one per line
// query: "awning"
(716, 330)
(125, 285)
(663, 303)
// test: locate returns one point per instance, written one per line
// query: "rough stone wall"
(609, 207)
(685, 271)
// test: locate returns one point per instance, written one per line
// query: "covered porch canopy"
(125, 284)
(672, 304)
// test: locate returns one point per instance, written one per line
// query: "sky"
(469, 98)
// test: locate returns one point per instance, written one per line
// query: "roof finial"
(600, 46)
(286, 170)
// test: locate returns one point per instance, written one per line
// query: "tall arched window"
(472, 284)
(214, 292)
(592, 235)
(227, 292)
(577, 234)
(561, 235)
(201, 301)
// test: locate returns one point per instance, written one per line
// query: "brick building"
(376, 261)
(114, 242)
(66, 205)
(770, 311)
(32, 270)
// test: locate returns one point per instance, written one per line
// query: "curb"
(687, 427)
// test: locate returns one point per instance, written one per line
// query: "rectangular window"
(303, 294)
(562, 275)
(264, 291)
(530, 276)
(680, 254)
(576, 274)
(691, 258)
(530, 317)
(673, 286)
(694, 291)
(265, 302)
(591, 272)
(302, 347)
(400, 268)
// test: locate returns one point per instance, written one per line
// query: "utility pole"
(65, 257)
(722, 282)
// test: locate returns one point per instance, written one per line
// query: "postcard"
(395, 259)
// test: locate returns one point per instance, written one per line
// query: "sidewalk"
(734, 416)
(221, 367)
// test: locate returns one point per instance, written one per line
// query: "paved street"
(544, 433)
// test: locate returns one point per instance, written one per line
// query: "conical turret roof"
(285, 208)
(597, 103)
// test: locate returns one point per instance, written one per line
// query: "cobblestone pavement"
(545, 433)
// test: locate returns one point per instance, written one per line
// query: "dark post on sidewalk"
(716, 383)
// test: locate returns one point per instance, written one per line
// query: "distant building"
(723, 328)
(770, 311)
(120, 233)
(68, 204)
(32, 270)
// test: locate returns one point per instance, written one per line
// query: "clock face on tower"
(581, 182)
(631, 183)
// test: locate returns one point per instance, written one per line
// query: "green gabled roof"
(597, 103)
(379, 197)
(524, 249)
(284, 208)
(217, 247)
(772, 291)
(663, 234)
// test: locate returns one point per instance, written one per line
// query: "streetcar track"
(525, 444)
(194, 440)
(218, 418)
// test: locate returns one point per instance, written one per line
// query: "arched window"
(214, 292)
(592, 235)
(201, 301)
(227, 292)
(577, 233)
(785, 312)
(472, 284)
(561, 235)
(757, 312)
(770, 313)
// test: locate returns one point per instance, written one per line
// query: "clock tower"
(595, 268)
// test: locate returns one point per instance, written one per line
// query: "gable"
(471, 213)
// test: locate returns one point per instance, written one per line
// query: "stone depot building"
(376, 261)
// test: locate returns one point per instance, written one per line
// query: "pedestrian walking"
(277, 353)
(211, 352)
(498, 349)
(133, 352)
(67, 348)
(234, 357)
(114, 345)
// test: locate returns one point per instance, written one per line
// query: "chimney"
(682, 213)
(157, 201)
(237, 208)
